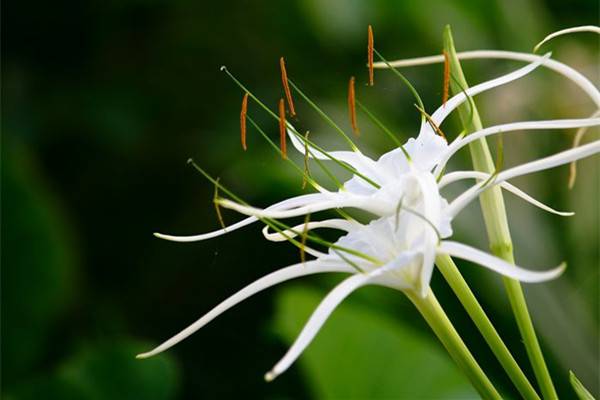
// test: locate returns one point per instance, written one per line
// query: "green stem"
(462, 290)
(437, 319)
(494, 215)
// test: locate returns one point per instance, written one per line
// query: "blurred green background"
(104, 101)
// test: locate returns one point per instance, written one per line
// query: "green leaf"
(38, 263)
(578, 387)
(106, 370)
(362, 353)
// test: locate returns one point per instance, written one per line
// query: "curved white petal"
(459, 175)
(274, 278)
(573, 75)
(442, 112)
(459, 143)
(341, 224)
(587, 28)
(316, 321)
(561, 158)
(355, 159)
(496, 264)
(295, 212)
(285, 204)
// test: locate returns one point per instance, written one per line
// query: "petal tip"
(270, 376)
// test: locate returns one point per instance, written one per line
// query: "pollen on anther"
(352, 106)
(286, 87)
(446, 78)
(370, 56)
(243, 120)
(282, 127)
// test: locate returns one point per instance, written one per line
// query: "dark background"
(103, 103)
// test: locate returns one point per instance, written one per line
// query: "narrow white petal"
(442, 112)
(295, 212)
(316, 321)
(459, 175)
(274, 278)
(341, 224)
(573, 75)
(496, 264)
(285, 204)
(587, 28)
(561, 158)
(459, 143)
(355, 159)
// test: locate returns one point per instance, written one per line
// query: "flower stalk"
(494, 214)
(437, 319)
(459, 286)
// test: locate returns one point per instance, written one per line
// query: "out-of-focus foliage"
(103, 102)
(380, 353)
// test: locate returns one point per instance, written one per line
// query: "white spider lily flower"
(413, 224)
(377, 185)
(400, 249)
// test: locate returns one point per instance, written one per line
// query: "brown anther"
(370, 56)
(352, 106)
(243, 120)
(446, 77)
(286, 87)
(431, 122)
(282, 128)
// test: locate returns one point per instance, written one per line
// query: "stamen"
(446, 78)
(282, 125)
(370, 48)
(286, 87)
(243, 120)
(216, 202)
(431, 122)
(306, 174)
(352, 106)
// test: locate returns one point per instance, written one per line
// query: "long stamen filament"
(297, 134)
(275, 224)
(324, 116)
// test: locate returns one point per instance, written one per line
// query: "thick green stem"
(437, 319)
(494, 214)
(462, 290)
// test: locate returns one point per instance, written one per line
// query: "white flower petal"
(341, 224)
(345, 201)
(316, 321)
(573, 75)
(285, 204)
(274, 278)
(587, 28)
(482, 176)
(432, 213)
(561, 158)
(496, 264)
(459, 143)
(441, 113)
